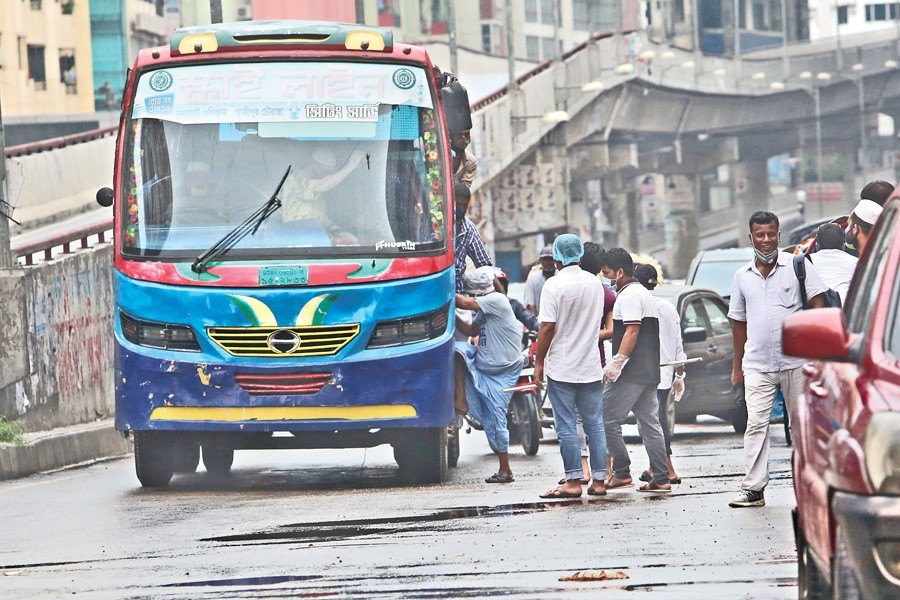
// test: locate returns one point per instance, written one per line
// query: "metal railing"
(59, 142)
(54, 244)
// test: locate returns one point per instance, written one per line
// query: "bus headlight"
(420, 328)
(883, 453)
(164, 336)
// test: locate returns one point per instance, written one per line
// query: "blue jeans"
(587, 398)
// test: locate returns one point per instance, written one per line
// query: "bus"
(283, 267)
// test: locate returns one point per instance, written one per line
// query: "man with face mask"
(763, 294)
(464, 162)
(536, 279)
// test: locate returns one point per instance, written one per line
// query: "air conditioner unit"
(243, 13)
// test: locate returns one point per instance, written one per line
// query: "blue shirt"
(468, 243)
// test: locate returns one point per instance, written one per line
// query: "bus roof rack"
(324, 34)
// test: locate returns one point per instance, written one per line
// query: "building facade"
(45, 55)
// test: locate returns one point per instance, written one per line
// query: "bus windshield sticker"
(405, 245)
(270, 276)
(278, 92)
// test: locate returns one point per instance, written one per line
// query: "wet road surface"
(304, 524)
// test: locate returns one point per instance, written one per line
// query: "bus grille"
(284, 342)
(282, 383)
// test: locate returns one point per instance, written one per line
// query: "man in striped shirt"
(467, 242)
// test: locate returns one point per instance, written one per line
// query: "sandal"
(561, 493)
(500, 477)
(614, 483)
(581, 481)
(599, 490)
(656, 488)
(646, 476)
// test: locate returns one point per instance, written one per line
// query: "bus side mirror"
(457, 111)
(105, 196)
(692, 335)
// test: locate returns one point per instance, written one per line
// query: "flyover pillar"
(750, 191)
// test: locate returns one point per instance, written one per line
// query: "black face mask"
(460, 214)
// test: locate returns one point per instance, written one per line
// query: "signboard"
(278, 92)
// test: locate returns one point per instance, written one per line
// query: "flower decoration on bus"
(433, 174)
(130, 237)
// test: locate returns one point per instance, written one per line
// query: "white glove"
(678, 388)
(612, 370)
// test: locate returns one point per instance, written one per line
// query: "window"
(718, 317)
(35, 4)
(548, 16)
(37, 69)
(869, 273)
(842, 15)
(892, 337)
(67, 73)
(486, 45)
(548, 48)
(531, 11)
(695, 315)
(876, 12)
(532, 47)
(678, 11)
(579, 14)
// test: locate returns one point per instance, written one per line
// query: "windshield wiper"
(248, 227)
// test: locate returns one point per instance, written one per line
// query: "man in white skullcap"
(859, 228)
(494, 365)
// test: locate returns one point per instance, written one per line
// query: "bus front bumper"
(406, 390)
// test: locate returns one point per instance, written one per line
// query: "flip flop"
(560, 493)
(655, 488)
(646, 476)
(616, 483)
(581, 481)
(500, 477)
(592, 492)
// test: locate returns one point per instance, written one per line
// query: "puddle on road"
(318, 531)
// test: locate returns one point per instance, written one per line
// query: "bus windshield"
(206, 150)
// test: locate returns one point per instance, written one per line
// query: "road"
(340, 523)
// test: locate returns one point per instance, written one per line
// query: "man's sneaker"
(747, 498)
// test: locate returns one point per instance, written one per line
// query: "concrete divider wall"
(67, 377)
(45, 186)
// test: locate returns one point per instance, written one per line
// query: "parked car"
(714, 269)
(846, 431)
(801, 232)
(706, 333)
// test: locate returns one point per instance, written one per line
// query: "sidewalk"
(63, 447)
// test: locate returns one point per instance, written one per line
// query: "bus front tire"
(218, 459)
(153, 462)
(421, 455)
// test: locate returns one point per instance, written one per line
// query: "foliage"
(10, 432)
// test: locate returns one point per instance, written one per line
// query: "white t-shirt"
(573, 299)
(835, 267)
(671, 348)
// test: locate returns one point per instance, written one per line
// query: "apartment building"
(45, 57)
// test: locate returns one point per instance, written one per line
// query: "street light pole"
(451, 30)
(863, 156)
(818, 111)
(6, 258)
(785, 64)
(510, 57)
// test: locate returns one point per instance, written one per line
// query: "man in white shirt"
(833, 264)
(568, 351)
(763, 293)
(632, 376)
(671, 349)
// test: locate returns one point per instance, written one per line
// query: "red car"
(846, 431)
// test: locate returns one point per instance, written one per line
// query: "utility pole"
(360, 12)
(510, 57)
(215, 11)
(451, 32)
(6, 258)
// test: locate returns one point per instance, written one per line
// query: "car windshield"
(717, 275)
(366, 175)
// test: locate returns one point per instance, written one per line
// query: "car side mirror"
(692, 335)
(819, 334)
(105, 196)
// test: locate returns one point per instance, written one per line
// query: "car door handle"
(712, 348)
(809, 370)
(818, 390)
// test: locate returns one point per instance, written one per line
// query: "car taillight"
(883, 453)
(164, 336)
(410, 330)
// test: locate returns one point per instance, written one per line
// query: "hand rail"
(46, 244)
(59, 142)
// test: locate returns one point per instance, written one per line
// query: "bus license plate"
(283, 276)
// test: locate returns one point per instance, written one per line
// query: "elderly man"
(494, 365)
(536, 279)
(567, 349)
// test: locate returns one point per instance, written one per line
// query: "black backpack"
(832, 298)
